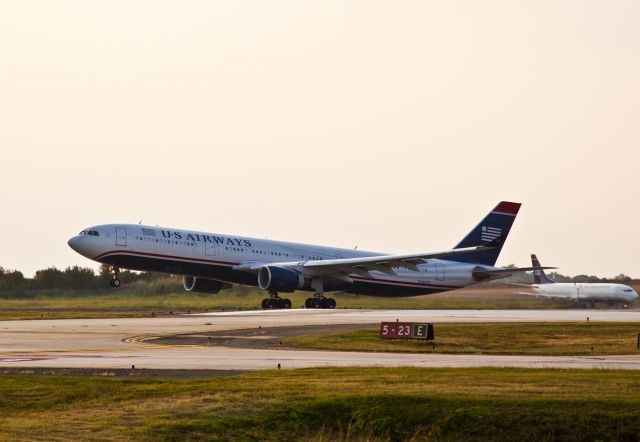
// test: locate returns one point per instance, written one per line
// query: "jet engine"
(203, 285)
(279, 279)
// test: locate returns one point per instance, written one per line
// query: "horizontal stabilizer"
(486, 275)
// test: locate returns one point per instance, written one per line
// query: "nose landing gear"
(115, 281)
(276, 302)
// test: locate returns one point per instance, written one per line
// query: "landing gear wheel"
(309, 303)
(115, 282)
(277, 303)
(331, 303)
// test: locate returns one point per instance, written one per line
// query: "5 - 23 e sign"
(406, 330)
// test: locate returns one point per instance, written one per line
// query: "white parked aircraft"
(579, 291)
(210, 262)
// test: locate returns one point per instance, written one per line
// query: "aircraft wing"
(365, 264)
(382, 263)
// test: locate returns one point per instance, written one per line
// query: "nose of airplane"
(75, 244)
(630, 294)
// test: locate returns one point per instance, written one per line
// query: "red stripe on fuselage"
(158, 255)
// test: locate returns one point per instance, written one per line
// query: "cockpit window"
(90, 233)
(84, 232)
(627, 290)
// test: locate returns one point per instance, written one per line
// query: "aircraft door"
(209, 248)
(121, 236)
(440, 272)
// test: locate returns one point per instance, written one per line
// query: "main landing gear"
(274, 301)
(319, 301)
(115, 281)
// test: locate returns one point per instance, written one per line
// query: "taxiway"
(121, 343)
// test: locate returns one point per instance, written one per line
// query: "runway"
(121, 343)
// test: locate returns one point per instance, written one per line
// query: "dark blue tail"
(539, 276)
(494, 227)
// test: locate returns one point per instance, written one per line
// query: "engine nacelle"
(203, 285)
(279, 279)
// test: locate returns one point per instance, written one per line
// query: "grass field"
(328, 404)
(494, 338)
(128, 303)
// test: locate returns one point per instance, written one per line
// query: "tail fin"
(539, 277)
(493, 228)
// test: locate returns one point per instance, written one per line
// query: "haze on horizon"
(391, 126)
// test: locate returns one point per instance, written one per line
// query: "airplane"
(579, 291)
(211, 262)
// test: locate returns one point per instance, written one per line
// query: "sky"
(393, 126)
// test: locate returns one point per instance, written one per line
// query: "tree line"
(14, 283)
(71, 278)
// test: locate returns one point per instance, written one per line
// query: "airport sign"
(407, 330)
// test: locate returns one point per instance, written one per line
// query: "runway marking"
(136, 339)
(473, 315)
(144, 339)
(46, 357)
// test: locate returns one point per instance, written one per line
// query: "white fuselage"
(212, 255)
(587, 291)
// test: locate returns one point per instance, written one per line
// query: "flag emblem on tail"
(490, 233)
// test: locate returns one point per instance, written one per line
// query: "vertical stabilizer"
(494, 227)
(539, 277)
